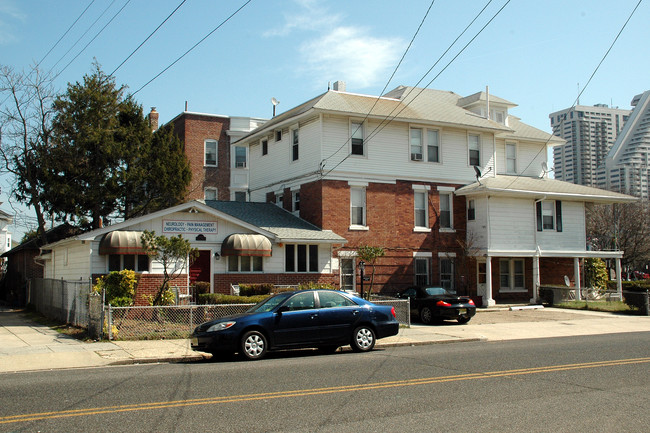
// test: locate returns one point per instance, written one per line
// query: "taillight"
(392, 311)
(471, 301)
(443, 304)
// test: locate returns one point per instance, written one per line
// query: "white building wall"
(71, 261)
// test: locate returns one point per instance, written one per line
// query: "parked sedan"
(436, 304)
(325, 319)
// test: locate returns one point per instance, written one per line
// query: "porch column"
(576, 276)
(536, 280)
(619, 279)
(487, 299)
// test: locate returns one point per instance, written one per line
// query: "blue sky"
(535, 54)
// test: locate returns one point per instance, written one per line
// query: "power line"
(148, 37)
(194, 46)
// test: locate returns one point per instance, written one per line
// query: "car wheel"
(253, 345)
(363, 339)
(426, 315)
(463, 320)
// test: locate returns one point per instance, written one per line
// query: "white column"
(619, 279)
(536, 280)
(487, 300)
(576, 276)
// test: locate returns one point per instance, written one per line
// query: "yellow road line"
(317, 391)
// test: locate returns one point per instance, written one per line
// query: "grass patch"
(62, 328)
(606, 306)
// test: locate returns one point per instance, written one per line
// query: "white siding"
(71, 261)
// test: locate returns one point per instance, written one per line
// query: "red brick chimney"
(153, 119)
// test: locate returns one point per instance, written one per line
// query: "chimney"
(153, 119)
(339, 86)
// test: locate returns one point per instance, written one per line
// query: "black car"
(325, 319)
(432, 304)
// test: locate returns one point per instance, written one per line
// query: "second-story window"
(474, 147)
(210, 193)
(471, 210)
(357, 206)
(416, 144)
(549, 215)
(511, 158)
(240, 157)
(210, 153)
(294, 144)
(265, 147)
(433, 146)
(356, 138)
(296, 201)
(446, 220)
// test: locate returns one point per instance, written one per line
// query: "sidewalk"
(27, 346)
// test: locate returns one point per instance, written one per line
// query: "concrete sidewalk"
(27, 346)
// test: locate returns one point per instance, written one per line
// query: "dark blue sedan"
(325, 319)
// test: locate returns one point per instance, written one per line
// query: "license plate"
(462, 311)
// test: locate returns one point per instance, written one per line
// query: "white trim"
(428, 254)
(357, 183)
(446, 255)
(417, 187)
(446, 188)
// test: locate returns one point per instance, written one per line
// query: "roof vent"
(339, 86)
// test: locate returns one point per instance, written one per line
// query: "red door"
(200, 268)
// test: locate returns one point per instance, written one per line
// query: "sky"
(537, 54)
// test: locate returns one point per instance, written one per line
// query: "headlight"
(220, 326)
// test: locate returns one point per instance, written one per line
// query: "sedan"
(437, 304)
(325, 319)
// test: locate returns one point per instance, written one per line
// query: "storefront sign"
(192, 227)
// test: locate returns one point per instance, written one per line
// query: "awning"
(121, 242)
(246, 245)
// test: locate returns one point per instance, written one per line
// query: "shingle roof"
(538, 188)
(276, 220)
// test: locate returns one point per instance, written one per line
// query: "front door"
(200, 268)
(481, 273)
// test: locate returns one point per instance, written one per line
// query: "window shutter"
(539, 216)
(558, 215)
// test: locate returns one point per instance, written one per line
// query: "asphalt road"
(581, 384)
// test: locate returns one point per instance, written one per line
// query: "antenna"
(275, 102)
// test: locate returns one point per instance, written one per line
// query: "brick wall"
(193, 130)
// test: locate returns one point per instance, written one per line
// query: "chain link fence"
(178, 321)
(66, 301)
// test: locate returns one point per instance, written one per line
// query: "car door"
(297, 321)
(412, 294)
(338, 317)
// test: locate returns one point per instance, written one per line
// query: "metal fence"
(66, 301)
(636, 299)
(178, 321)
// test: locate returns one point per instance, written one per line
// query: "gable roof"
(520, 186)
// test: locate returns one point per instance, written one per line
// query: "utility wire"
(583, 89)
(148, 37)
(194, 46)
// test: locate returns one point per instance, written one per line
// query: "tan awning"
(246, 245)
(121, 242)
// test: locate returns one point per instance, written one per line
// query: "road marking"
(318, 391)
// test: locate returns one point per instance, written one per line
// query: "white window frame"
(205, 193)
(360, 191)
(253, 264)
(438, 146)
(452, 280)
(447, 192)
(308, 250)
(511, 160)
(421, 191)
(509, 272)
(350, 256)
(472, 148)
(295, 144)
(415, 154)
(237, 164)
(295, 201)
(546, 213)
(422, 257)
(206, 143)
(233, 195)
(357, 126)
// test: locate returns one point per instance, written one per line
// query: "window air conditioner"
(416, 157)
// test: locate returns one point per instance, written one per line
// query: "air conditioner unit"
(416, 157)
(240, 164)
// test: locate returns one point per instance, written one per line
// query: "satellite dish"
(544, 166)
(478, 173)
(567, 281)
(274, 102)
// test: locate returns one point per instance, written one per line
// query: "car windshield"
(269, 303)
(435, 291)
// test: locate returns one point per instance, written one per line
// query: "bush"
(255, 289)
(201, 287)
(218, 298)
(634, 294)
(119, 287)
(314, 286)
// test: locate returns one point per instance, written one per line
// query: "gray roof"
(276, 220)
(541, 188)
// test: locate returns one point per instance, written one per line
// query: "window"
(471, 210)
(240, 196)
(347, 275)
(294, 146)
(278, 135)
(265, 147)
(421, 214)
(445, 210)
(474, 145)
(433, 146)
(279, 200)
(416, 144)
(421, 271)
(301, 258)
(357, 206)
(447, 273)
(245, 264)
(549, 215)
(511, 158)
(210, 152)
(356, 138)
(301, 301)
(240, 157)
(296, 201)
(333, 299)
(210, 193)
(511, 272)
(133, 262)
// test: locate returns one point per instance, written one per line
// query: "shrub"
(255, 289)
(119, 287)
(218, 298)
(314, 286)
(201, 287)
(634, 294)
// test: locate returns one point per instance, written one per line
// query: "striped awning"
(246, 245)
(121, 242)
